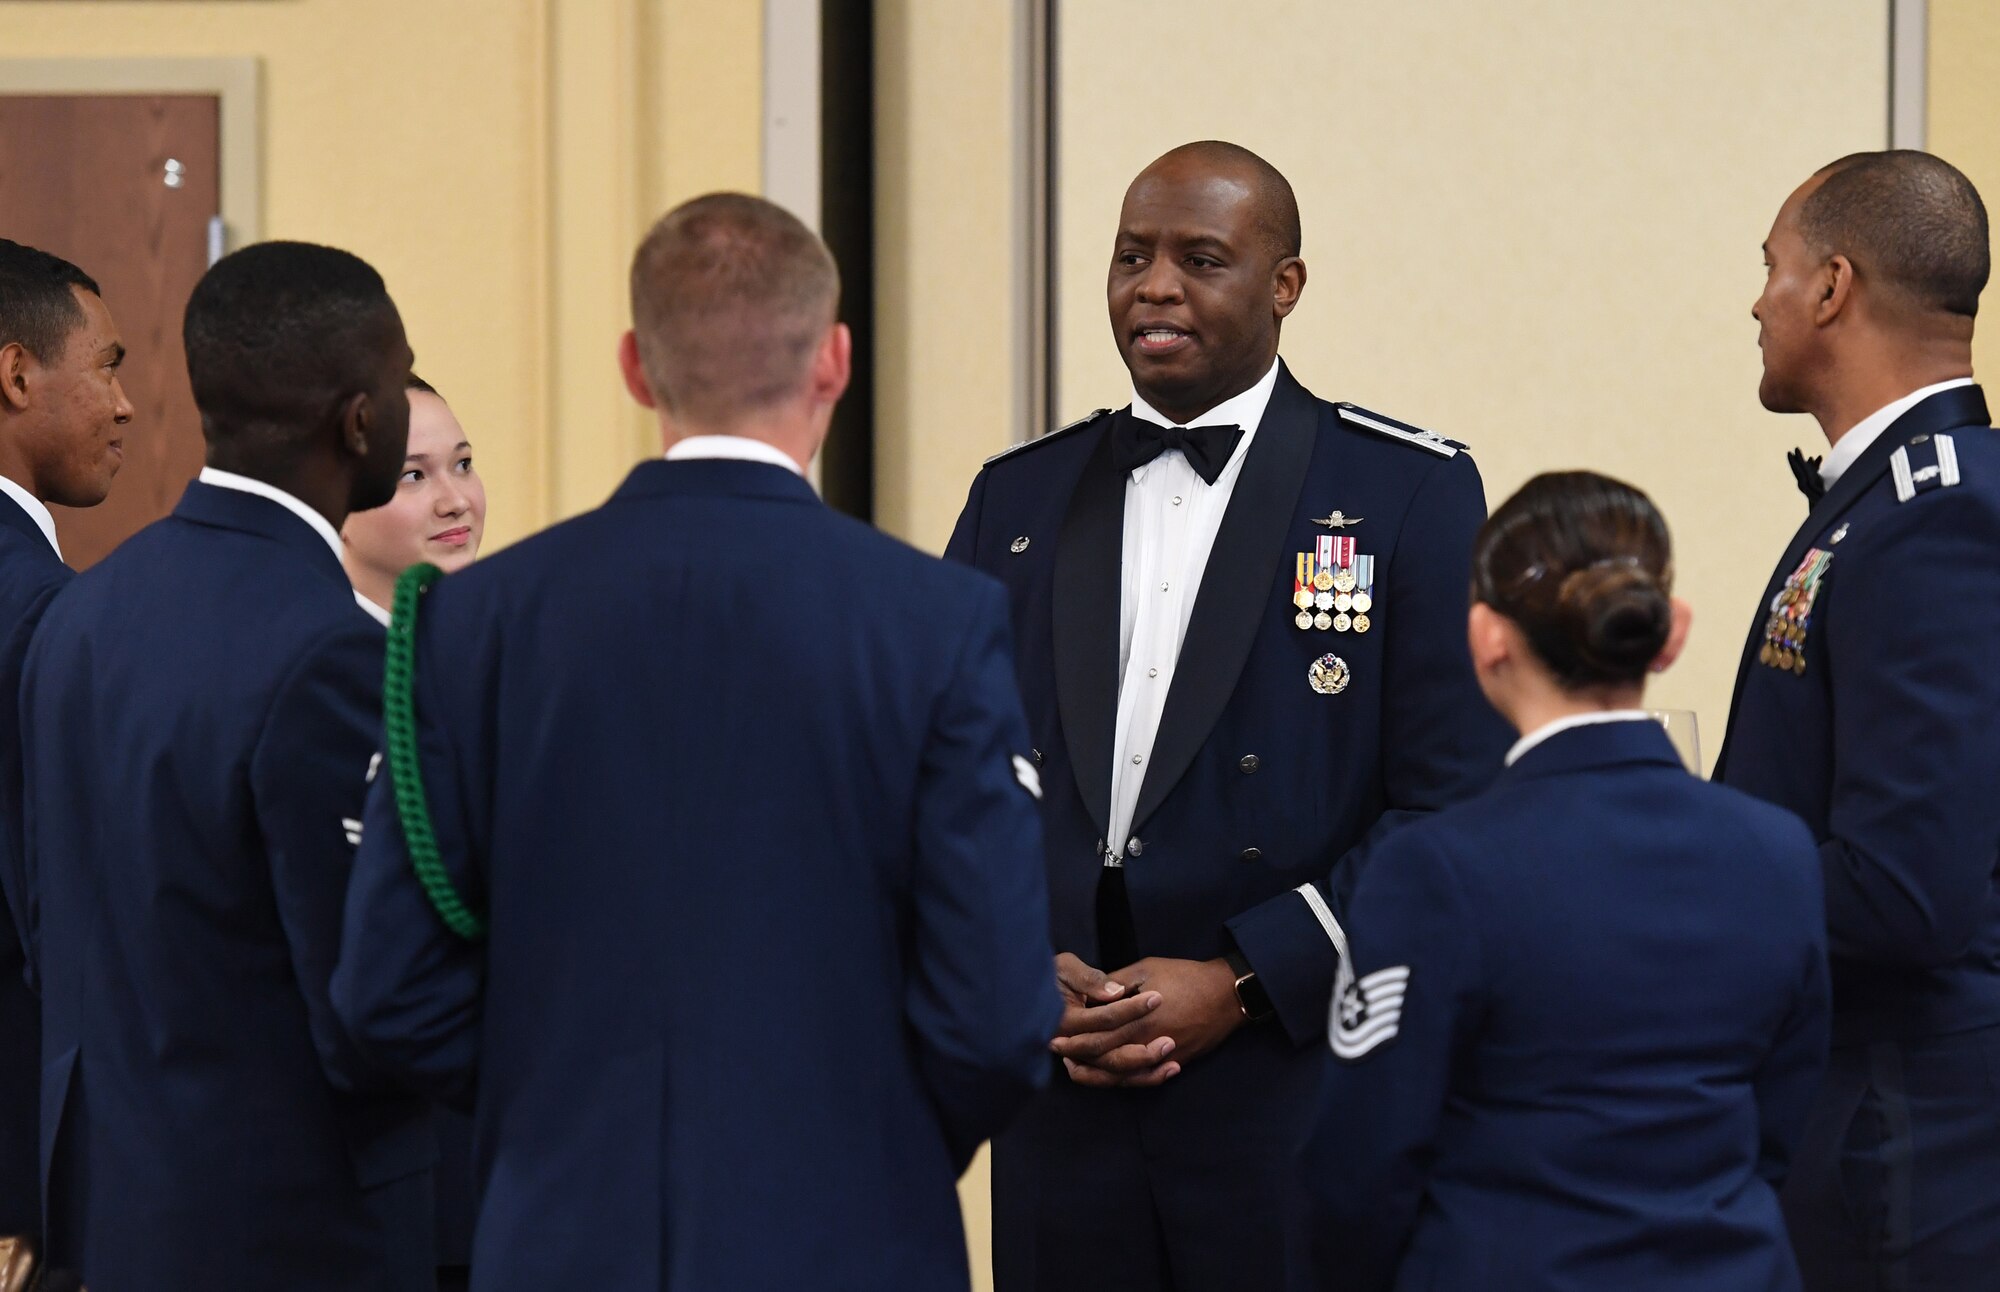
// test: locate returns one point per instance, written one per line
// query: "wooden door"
(124, 186)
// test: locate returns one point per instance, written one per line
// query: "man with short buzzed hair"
(1867, 702)
(62, 419)
(1240, 618)
(733, 928)
(198, 714)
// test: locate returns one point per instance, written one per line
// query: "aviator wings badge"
(1337, 521)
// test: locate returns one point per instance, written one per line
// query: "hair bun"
(1618, 617)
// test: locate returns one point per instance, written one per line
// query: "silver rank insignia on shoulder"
(1382, 424)
(1934, 465)
(1025, 773)
(1366, 1012)
(1019, 545)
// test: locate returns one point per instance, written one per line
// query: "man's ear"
(1288, 283)
(1836, 289)
(832, 366)
(16, 364)
(357, 421)
(634, 372)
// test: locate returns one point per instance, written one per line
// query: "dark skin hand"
(1192, 1010)
(1202, 275)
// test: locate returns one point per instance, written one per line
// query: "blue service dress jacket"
(1868, 702)
(199, 713)
(30, 574)
(1576, 1035)
(1281, 752)
(739, 785)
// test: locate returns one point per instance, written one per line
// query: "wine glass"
(1681, 729)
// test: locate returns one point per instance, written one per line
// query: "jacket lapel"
(1089, 552)
(1961, 406)
(1234, 600)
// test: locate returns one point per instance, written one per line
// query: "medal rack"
(1334, 588)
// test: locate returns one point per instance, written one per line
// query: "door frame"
(236, 82)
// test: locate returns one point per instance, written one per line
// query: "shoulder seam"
(1040, 440)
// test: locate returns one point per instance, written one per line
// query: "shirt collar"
(244, 484)
(375, 612)
(1869, 429)
(1245, 410)
(739, 447)
(36, 511)
(1560, 725)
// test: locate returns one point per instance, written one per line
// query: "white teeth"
(1161, 338)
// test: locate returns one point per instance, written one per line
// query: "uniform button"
(1177, 500)
(1253, 854)
(1163, 587)
(1152, 672)
(1137, 759)
(1249, 763)
(1134, 848)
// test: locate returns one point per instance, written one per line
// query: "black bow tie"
(1136, 442)
(1806, 471)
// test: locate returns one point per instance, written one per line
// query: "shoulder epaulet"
(1932, 465)
(1052, 436)
(1355, 415)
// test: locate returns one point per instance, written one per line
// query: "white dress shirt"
(36, 512)
(320, 524)
(740, 448)
(1547, 729)
(1869, 429)
(1171, 518)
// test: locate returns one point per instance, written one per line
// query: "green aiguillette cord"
(399, 727)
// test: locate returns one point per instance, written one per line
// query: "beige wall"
(948, 260)
(1963, 109)
(496, 160)
(1538, 235)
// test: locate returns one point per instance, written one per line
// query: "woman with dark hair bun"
(1578, 1018)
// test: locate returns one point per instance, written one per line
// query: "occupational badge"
(1784, 644)
(1328, 675)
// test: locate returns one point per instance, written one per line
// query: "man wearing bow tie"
(1867, 702)
(1219, 728)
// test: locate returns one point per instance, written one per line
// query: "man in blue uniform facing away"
(737, 789)
(1239, 615)
(62, 419)
(1867, 702)
(199, 713)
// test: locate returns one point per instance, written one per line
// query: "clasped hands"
(1139, 1025)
